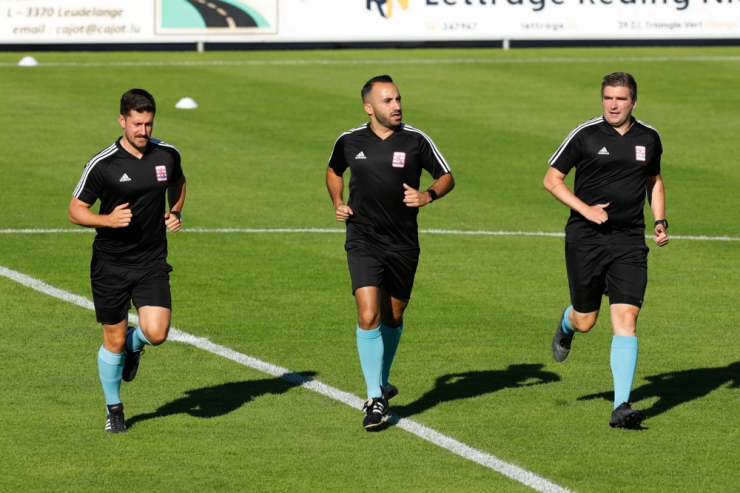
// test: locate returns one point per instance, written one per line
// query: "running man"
(617, 162)
(386, 159)
(131, 178)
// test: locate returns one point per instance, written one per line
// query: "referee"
(131, 178)
(617, 163)
(385, 158)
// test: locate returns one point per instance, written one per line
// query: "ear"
(122, 121)
(368, 109)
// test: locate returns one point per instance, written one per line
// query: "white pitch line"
(333, 230)
(419, 61)
(511, 471)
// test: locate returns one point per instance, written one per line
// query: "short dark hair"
(620, 79)
(138, 100)
(369, 84)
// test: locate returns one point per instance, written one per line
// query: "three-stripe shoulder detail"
(108, 151)
(648, 126)
(435, 150)
(572, 134)
(162, 143)
(352, 130)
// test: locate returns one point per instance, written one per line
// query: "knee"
(114, 343)
(156, 335)
(368, 319)
(584, 322)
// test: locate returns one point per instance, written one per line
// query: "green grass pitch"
(474, 362)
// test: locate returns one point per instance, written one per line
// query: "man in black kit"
(386, 158)
(131, 178)
(617, 162)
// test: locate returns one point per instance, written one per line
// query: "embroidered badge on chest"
(161, 173)
(640, 153)
(399, 159)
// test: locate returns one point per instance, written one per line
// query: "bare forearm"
(83, 216)
(335, 186)
(656, 198)
(176, 196)
(555, 184)
(443, 185)
(559, 189)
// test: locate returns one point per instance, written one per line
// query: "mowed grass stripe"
(332, 231)
(516, 473)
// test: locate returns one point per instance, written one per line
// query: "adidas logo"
(125, 178)
(361, 155)
(603, 152)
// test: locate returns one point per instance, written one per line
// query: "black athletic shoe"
(389, 391)
(131, 363)
(374, 409)
(115, 422)
(626, 417)
(561, 342)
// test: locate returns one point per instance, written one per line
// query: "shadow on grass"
(675, 388)
(474, 383)
(209, 402)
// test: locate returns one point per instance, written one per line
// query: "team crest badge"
(162, 172)
(640, 153)
(399, 159)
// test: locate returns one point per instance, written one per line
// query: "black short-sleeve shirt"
(610, 168)
(379, 168)
(116, 177)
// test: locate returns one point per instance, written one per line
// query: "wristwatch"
(179, 216)
(661, 221)
(432, 195)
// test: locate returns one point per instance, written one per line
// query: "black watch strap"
(664, 222)
(432, 194)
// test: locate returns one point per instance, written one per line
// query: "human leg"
(398, 281)
(110, 370)
(111, 288)
(626, 284)
(623, 350)
(371, 350)
(586, 280)
(369, 338)
(152, 298)
(110, 361)
(391, 328)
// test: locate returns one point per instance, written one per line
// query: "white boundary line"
(332, 230)
(418, 61)
(511, 471)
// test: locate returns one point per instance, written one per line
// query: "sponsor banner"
(163, 21)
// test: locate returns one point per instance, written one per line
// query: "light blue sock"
(624, 362)
(136, 340)
(110, 369)
(566, 324)
(391, 337)
(370, 347)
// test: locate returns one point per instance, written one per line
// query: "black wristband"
(432, 195)
(661, 221)
(177, 215)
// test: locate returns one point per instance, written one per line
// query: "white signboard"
(275, 21)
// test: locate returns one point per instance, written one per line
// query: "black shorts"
(115, 286)
(618, 271)
(393, 270)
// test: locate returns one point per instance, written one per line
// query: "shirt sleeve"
(337, 162)
(654, 168)
(90, 187)
(177, 173)
(568, 154)
(431, 159)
